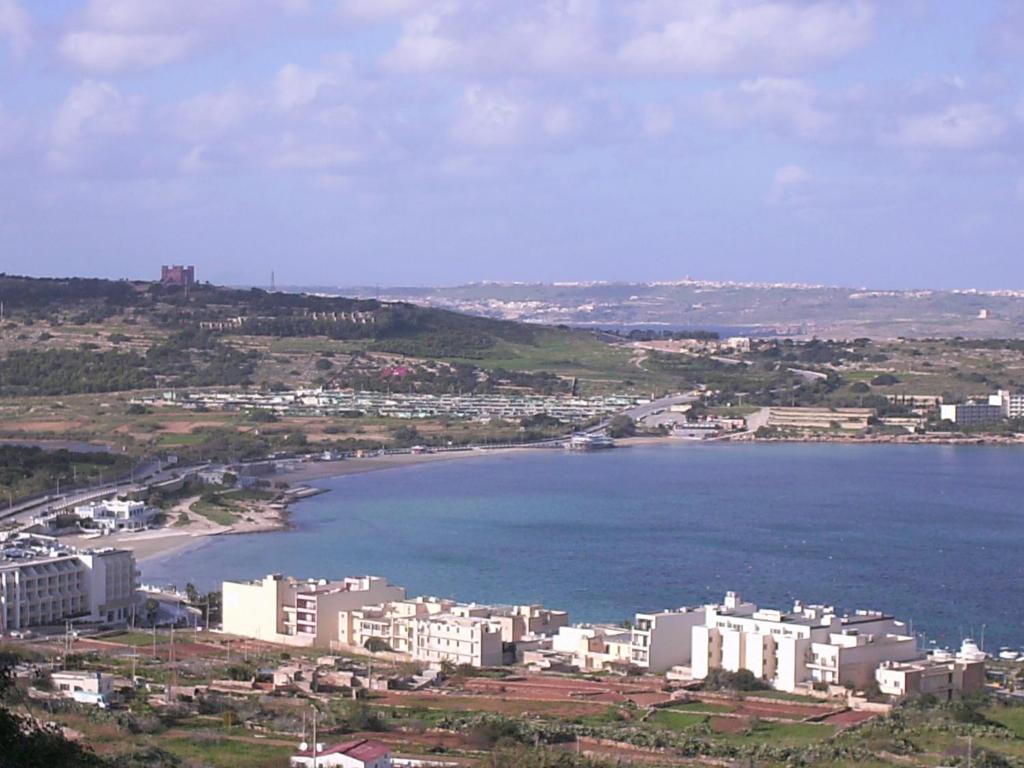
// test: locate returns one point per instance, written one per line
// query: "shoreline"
(153, 545)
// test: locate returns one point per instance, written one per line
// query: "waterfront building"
(971, 414)
(292, 611)
(46, 587)
(820, 418)
(1011, 403)
(117, 514)
(941, 674)
(810, 644)
(660, 641)
(359, 753)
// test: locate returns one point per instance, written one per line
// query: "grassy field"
(675, 720)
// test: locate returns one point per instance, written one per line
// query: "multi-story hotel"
(296, 612)
(810, 644)
(38, 588)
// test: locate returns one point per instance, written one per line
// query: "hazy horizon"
(440, 142)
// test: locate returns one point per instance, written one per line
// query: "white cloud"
(490, 118)
(657, 121)
(553, 36)
(706, 37)
(91, 112)
(15, 27)
(783, 104)
(964, 126)
(295, 86)
(377, 10)
(789, 185)
(117, 35)
(209, 115)
(110, 52)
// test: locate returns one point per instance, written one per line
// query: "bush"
(743, 680)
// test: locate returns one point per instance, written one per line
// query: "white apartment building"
(594, 647)
(660, 641)
(391, 622)
(118, 514)
(295, 612)
(459, 639)
(1011, 403)
(807, 645)
(42, 589)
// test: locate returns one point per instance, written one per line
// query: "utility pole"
(314, 738)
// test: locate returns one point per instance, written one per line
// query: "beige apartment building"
(946, 679)
(434, 629)
(39, 589)
(810, 644)
(296, 612)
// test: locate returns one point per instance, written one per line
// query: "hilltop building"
(179, 275)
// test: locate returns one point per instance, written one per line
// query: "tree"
(621, 426)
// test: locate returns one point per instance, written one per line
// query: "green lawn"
(675, 720)
(183, 439)
(1011, 717)
(792, 734)
(210, 748)
(215, 512)
(703, 706)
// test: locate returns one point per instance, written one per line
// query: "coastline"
(157, 544)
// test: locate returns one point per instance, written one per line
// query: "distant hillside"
(396, 326)
(77, 335)
(769, 309)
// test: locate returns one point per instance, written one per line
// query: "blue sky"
(401, 142)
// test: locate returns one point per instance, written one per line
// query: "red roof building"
(360, 753)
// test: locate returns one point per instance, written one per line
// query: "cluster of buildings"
(43, 585)
(978, 413)
(808, 647)
(368, 612)
(477, 407)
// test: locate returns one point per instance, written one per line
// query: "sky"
(435, 142)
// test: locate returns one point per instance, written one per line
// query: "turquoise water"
(931, 533)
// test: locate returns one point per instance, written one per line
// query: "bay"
(932, 534)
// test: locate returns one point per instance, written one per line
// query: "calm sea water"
(934, 534)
